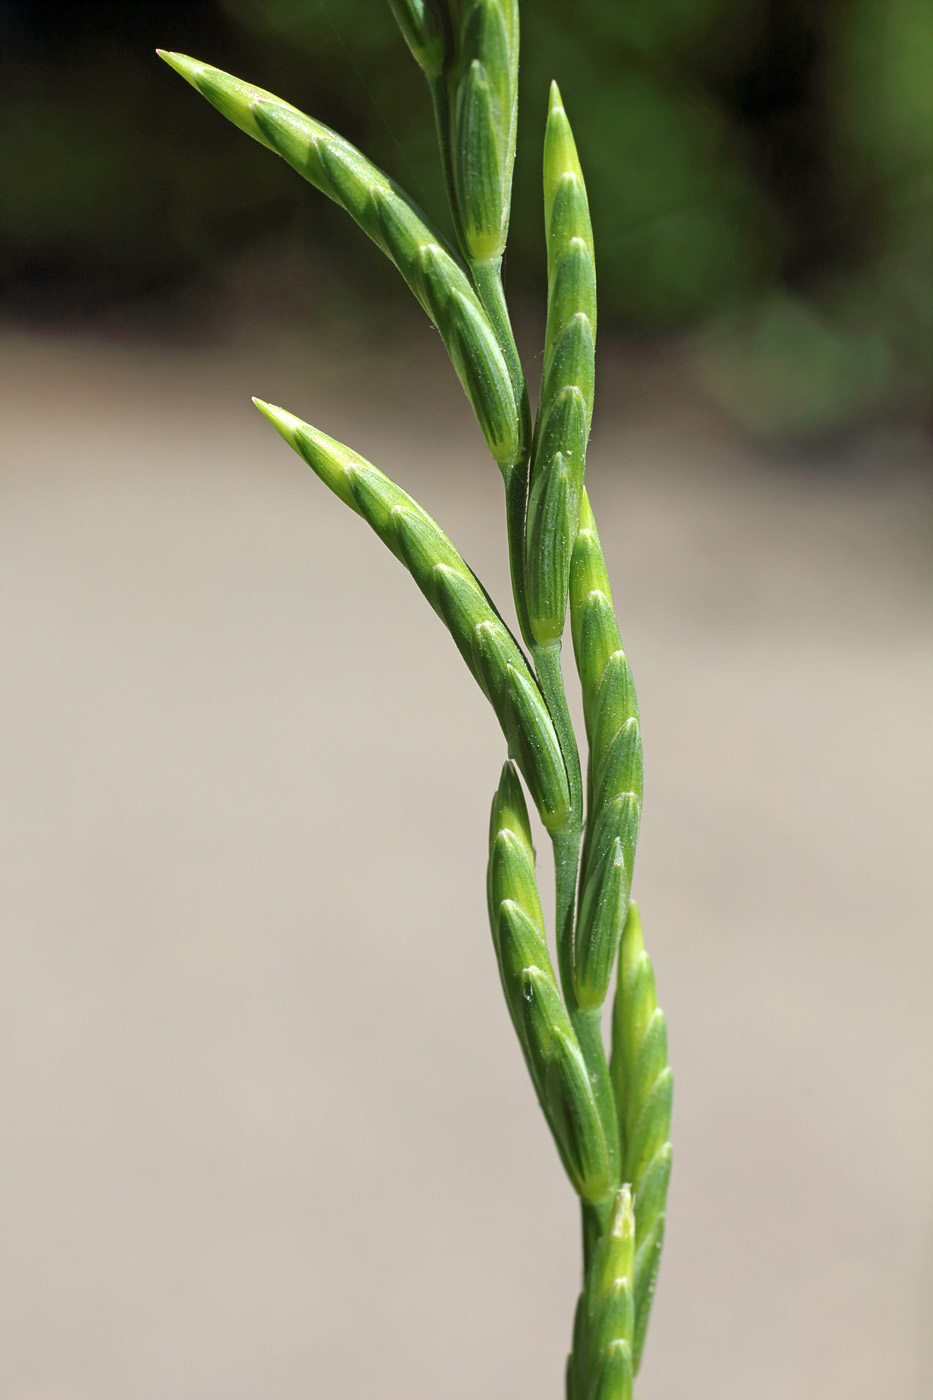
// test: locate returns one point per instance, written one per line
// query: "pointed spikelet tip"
(189, 68)
(335, 464)
(284, 422)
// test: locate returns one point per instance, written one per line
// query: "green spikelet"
(603, 899)
(643, 1087)
(615, 776)
(570, 250)
(541, 1022)
(563, 424)
(548, 545)
(596, 636)
(484, 106)
(600, 1363)
(482, 638)
(614, 1379)
(392, 221)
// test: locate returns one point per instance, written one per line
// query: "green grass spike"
(643, 1087)
(615, 775)
(566, 409)
(484, 106)
(604, 1325)
(569, 232)
(395, 224)
(545, 1033)
(482, 638)
(610, 1119)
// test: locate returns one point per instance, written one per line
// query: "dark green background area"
(760, 170)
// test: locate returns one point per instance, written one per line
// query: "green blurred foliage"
(101, 200)
(882, 87)
(881, 126)
(782, 369)
(682, 225)
(367, 27)
(74, 176)
(764, 172)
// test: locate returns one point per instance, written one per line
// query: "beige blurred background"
(265, 1127)
(266, 1131)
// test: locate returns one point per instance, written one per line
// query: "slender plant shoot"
(610, 1114)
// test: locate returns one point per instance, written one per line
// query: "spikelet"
(643, 1087)
(547, 1038)
(615, 776)
(482, 638)
(392, 221)
(484, 110)
(600, 1364)
(566, 410)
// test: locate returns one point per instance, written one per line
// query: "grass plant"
(609, 1114)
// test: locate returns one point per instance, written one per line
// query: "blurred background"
(266, 1131)
(761, 174)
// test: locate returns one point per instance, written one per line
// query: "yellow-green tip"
(189, 68)
(330, 460)
(560, 152)
(284, 422)
(232, 97)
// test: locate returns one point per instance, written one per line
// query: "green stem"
(487, 278)
(516, 497)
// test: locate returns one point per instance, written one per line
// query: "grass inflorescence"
(609, 1115)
